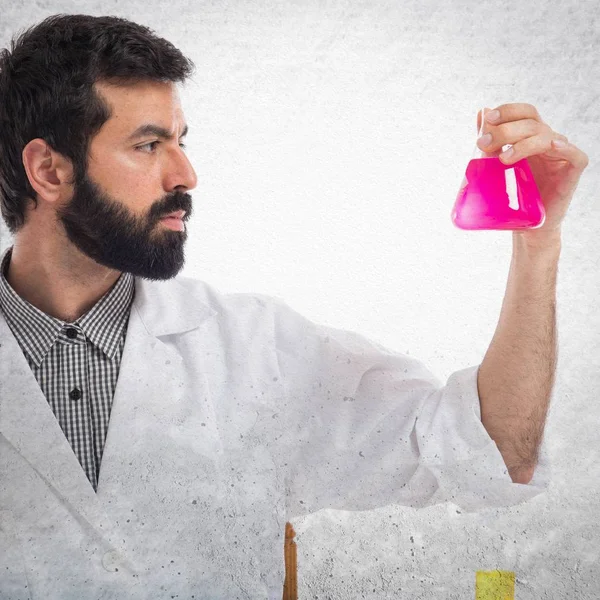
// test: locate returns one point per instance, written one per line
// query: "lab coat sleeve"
(367, 427)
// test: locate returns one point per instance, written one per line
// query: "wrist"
(538, 242)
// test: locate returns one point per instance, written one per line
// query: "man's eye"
(152, 144)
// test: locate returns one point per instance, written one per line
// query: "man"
(155, 434)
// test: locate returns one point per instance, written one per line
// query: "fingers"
(516, 111)
(545, 144)
(512, 133)
(520, 125)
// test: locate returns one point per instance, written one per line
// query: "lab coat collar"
(171, 306)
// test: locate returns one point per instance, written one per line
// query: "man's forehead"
(138, 104)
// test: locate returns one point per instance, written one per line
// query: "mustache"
(173, 203)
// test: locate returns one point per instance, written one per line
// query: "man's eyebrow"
(152, 129)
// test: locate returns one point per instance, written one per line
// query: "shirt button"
(110, 561)
(72, 333)
(75, 394)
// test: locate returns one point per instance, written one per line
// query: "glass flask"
(497, 196)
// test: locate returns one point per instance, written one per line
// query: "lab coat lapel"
(29, 425)
(149, 368)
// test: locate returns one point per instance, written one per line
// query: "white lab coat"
(232, 414)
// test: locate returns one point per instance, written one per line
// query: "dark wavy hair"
(47, 91)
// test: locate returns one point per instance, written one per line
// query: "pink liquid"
(484, 200)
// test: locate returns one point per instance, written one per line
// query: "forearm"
(516, 376)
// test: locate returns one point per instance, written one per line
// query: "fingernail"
(484, 140)
(493, 115)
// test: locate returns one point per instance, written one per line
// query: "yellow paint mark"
(495, 585)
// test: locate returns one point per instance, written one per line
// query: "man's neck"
(62, 283)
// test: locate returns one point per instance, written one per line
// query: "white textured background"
(330, 139)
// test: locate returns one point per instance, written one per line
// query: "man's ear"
(48, 171)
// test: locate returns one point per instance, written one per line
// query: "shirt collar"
(37, 331)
